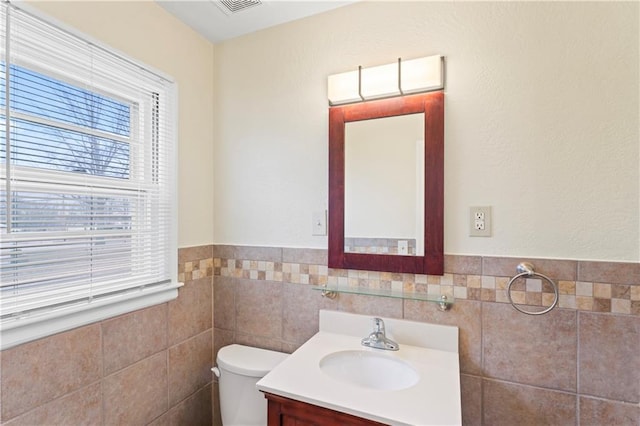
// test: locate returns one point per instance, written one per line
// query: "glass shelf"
(444, 302)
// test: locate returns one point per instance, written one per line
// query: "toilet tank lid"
(248, 361)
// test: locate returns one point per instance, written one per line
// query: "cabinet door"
(288, 412)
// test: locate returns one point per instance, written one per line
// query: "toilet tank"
(240, 367)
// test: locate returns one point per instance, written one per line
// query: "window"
(87, 172)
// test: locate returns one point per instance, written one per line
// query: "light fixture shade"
(343, 88)
(380, 81)
(384, 81)
(422, 74)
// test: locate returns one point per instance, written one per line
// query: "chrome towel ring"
(525, 269)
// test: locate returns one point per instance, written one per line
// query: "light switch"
(319, 222)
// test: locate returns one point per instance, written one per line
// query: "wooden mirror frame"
(432, 261)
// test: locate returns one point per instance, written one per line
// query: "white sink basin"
(369, 370)
(416, 385)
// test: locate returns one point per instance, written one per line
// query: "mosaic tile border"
(195, 269)
(578, 295)
(582, 285)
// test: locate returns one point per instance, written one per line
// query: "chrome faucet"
(377, 339)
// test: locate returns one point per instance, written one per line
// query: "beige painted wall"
(146, 32)
(541, 122)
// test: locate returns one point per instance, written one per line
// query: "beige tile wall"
(577, 365)
(151, 366)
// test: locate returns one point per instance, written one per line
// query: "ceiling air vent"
(230, 7)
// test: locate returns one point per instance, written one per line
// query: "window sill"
(14, 332)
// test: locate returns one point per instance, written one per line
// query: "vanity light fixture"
(384, 81)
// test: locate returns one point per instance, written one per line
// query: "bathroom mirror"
(384, 185)
(386, 189)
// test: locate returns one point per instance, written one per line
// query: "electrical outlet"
(480, 221)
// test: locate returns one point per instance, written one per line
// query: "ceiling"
(219, 20)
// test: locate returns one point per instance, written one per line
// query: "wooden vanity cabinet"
(288, 412)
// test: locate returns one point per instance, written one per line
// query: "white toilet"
(239, 369)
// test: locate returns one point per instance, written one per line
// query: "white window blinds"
(87, 169)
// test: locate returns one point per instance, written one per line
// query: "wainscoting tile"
(300, 312)
(466, 278)
(82, 407)
(370, 305)
(609, 272)
(271, 254)
(38, 372)
(308, 256)
(565, 270)
(190, 365)
(523, 369)
(609, 356)
(138, 394)
(466, 265)
(193, 411)
(508, 404)
(191, 312)
(163, 420)
(290, 348)
(224, 306)
(132, 337)
(224, 251)
(596, 412)
(464, 314)
(221, 338)
(259, 342)
(190, 254)
(259, 308)
(215, 397)
(471, 396)
(536, 350)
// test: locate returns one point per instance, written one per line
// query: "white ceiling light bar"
(384, 81)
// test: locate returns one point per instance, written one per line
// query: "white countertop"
(434, 400)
